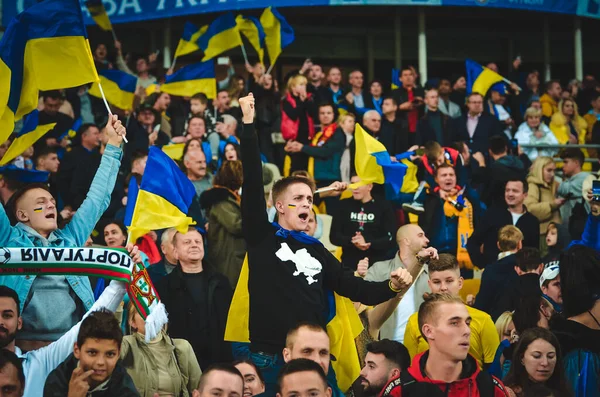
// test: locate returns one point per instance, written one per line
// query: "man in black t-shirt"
(290, 273)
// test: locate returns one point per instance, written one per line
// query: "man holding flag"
(289, 271)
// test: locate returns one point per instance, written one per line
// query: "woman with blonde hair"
(567, 125)
(508, 336)
(163, 366)
(541, 200)
(297, 119)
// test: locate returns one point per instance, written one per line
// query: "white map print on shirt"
(305, 263)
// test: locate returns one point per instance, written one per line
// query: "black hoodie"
(57, 384)
(494, 281)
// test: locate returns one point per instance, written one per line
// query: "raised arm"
(98, 197)
(6, 230)
(254, 208)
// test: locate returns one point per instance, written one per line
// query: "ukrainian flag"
(396, 83)
(98, 14)
(174, 150)
(373, 163)
(343, 326)
(72, 132)
(192, 79)
(28, 135)
(163, 199)
(44, 48)
(278, 33)
(221, 35)
(119, 88)
(254, 32)
(480, 78)
(189, 40)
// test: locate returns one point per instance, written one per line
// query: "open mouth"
(50, 216)
(304, 216)
(465, 344)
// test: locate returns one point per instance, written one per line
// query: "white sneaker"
(413, 208)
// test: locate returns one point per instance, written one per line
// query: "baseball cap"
(549, 273)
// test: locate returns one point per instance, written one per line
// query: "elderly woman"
(534, 132)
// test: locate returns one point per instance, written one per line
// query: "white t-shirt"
(405, 309)
(516, 217)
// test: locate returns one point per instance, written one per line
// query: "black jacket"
(57, 383)
(493, 178)
(401, 96)
(425, 132)
(514, 294)
(75, 175)
(183, 314)
(496, 279)
(487, 234)
(487, 127)
(394, 135)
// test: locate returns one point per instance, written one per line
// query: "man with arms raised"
(290, 272)
(445, 324)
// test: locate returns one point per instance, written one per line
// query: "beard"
(7, 337)
(371, 389)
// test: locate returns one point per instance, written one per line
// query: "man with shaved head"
(413, 256)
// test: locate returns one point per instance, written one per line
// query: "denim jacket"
(74, 234)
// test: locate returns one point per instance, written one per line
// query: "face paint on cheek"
(291, 205)
(38, 209)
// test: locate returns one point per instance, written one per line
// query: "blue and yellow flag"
(174, 150)
(278, 33)
(28, 135)
(163, 199)
(373, 163)
(396, 83)
(98, 14)
(189, 40)
(480, 78)
(119, 88)
(254, 32)
(222, 35)
(192, 79)
(72, 132)
(43, 48)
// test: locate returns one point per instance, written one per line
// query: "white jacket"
(524, 135)
(37, 364)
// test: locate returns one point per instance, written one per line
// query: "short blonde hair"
(296, 80)
(433, 150)
(344, 117)
(509, 237)
(533, 112)
(427, 310)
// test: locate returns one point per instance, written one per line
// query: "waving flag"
(278, 33)
(98, 14)
(221, 35)
(163, 199)
(44, 48)
(373, 163)
(480, 78)
(28, 135)
(119, 88)
(253, 30)
(189, 40)
(396, 83)
(192, 79)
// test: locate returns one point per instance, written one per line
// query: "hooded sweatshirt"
(500, 171)
(525, 135)
(540, 199)
(470, 384)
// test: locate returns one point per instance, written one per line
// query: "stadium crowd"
(480, 276)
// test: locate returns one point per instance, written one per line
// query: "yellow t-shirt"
(484, 337)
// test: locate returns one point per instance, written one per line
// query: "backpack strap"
(487, 385)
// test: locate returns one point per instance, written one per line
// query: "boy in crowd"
(444, 277)
(302, 377)
(94, 369)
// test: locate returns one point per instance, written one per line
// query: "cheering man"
(291, 275)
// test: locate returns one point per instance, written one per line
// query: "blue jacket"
(74, 234)
(591, 234)
(328, 157)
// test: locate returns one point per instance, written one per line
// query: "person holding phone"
(410, 100)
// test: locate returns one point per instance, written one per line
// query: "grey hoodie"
(573, 186)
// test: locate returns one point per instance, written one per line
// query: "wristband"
(421, 260)
(394, 289)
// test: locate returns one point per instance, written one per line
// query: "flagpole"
(270, 68)
(244, 52)
(114, 35)
(173, 63)
(108, 107)
(507, 81)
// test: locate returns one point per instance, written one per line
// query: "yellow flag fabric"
(98, 14)
(366, 165)
(480, 78)
(29, 134)
(278, 33)
(189, 40)
(174, 151)
(342, 329)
